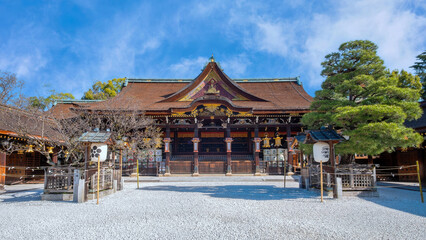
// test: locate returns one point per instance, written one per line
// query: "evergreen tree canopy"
(104, 90)
(366, 101)
(44, 103)
(420, 68)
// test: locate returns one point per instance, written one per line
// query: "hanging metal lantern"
(30, 149)
(266, 141)
(278, 141)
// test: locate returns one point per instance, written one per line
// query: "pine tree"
(366, 101)
(420, 68)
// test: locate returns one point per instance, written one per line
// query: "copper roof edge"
(75, 101)
(186, 80)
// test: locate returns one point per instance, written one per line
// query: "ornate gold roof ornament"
(212, 89)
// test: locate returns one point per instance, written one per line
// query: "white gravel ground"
(215, 210)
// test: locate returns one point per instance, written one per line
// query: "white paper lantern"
(98, 150)
(321, 152)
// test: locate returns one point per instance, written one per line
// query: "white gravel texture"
(215, 210)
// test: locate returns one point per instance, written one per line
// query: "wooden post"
(121, 170)
(257, 141)
(289, 155)
(2, 170)
(86, 172)
(228, 141)
(99, 170)
(46, 172)
(285, 162)
(113, 158)
(420, 181)
(321, 181)
(137, 170)
(196, 145)
(55, 158)
(167, 141)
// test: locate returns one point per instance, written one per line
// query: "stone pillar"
(196, 142)
(78, 187)
(228, 141)
(167, 141)
(2, 170)
(257, 141)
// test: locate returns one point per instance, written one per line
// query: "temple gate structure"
(215, 124)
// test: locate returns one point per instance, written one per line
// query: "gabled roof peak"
(212, 80)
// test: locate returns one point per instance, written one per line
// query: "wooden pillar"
(86, 173)
(135, 170)
(167, 141)
(196, 142)
(370, 160)
(228, 141)
(121, 170)
(333, 167)
(55, 158)
(2, 170)
(289, 154)
(113, 157)
(175, 140)
(257, 141)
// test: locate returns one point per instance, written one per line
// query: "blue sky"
(68, 45)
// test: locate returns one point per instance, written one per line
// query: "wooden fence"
(61, 179)
(354, 177)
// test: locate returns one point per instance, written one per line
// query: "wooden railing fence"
(354, 177)
(61, 179)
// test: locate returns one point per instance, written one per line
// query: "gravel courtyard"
(215, 210)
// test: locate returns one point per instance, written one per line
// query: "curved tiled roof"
(21, 123)
(262, 95)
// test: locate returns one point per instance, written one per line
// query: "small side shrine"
(97, 152)
(96, 178)
(353, 178)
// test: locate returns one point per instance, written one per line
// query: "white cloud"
(23, 53)
(393, 25)
(188, 67)
(282, 38)
(235, 66)
(274, 38)
(24, 65)
(398, 32)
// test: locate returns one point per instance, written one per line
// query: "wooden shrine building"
(213, 124)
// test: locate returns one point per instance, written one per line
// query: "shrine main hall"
(215, 124)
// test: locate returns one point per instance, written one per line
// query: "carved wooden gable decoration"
(213, 84)
(212, 81)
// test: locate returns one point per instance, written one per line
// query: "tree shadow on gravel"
(247, 192)
(22, 196)
(402, 200)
